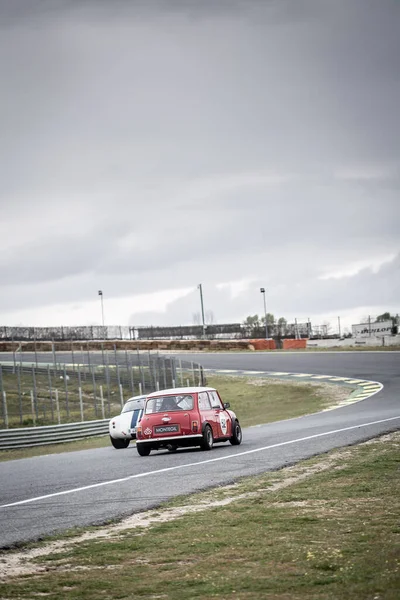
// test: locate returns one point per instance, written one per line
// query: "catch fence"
(119, 332)
(66, 334)
(94, 385)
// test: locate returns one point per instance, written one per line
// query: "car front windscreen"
(169, 403)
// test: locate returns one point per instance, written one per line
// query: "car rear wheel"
(208, 439)
(143, 449)
(118, 443)
(236, 438)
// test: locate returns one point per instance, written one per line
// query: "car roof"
(181, 390)
(142, 397)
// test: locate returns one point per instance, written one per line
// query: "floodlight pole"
(262, 290)
(200, 287)
(102, 308)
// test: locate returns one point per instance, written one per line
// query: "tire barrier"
(263, 344)
(294, 344)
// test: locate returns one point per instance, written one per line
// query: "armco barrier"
(28, 437)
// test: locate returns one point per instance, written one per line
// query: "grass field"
(259, 400)
(254, 400)
(327, 528)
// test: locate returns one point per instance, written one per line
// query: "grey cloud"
(144, 112)
(302, 298)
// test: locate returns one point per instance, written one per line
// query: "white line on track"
(195, 464)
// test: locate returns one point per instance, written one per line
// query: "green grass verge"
(327, 528)
(254, 400)
(259, 400)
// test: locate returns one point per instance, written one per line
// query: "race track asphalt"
(48, 494)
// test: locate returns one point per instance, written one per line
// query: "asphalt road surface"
(49, 494)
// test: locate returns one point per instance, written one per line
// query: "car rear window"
(132, 405)
(169, 403)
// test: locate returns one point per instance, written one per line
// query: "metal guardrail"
(28, 437)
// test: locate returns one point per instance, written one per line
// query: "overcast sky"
(148, 146)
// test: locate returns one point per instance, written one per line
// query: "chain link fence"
(84, 386)
(61, 334)
(117, 332)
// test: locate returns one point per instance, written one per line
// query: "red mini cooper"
(183, 417)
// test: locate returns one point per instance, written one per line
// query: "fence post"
(117, 373)
(88, 355)
(150, 371)
(158, 386)
(21, 417)
(94, 391)
(140, 369)
(13, 353)
(173, 383)
(200, 377)
(34, 345)
(165, 373)
(58, 407)
(130, 370)
(193, 373)
(33, 409)
(108, 381)
(181, 372)
(187, 382)
(66, 391)
(127, 370)
(140, 389)
(5, 412)
(102, 354)
(82, 361)
(54, 356)
(51, 393)
(121, 395)
(102, 401)
(35, 391)
(81, 404)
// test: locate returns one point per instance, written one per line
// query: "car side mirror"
(227, 405)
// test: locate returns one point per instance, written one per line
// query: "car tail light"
(195, 426)
(138, 431)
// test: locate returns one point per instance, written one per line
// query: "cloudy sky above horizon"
(150, 146)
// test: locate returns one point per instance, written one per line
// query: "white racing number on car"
(224, 426)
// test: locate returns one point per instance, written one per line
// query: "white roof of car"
(181, 390)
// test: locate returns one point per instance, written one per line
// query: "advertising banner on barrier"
(375, 329)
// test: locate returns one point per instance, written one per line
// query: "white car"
(123, 427)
